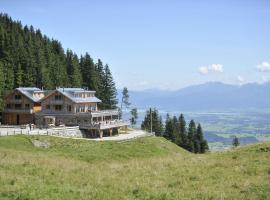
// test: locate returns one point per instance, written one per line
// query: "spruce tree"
(183, 131)
(134, 116)
(110, 100)
(202, 145)
(2, 82)
(125, 98)
(19, 76)
(101, 93)
(73, 69)
(157, 126)
(235, 142)
(89, 75)
(191, 136)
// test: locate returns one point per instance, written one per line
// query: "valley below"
(250, 126)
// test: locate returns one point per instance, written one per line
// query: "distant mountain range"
(208, 96)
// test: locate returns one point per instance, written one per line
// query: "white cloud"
(263, 67)
(265, 79)
(240, 79)
(215, 68)
(203, 70)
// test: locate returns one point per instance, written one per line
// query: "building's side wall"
(17, 118)
(10, 99)
(49, 105)
(19, 111)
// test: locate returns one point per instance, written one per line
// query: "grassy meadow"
(146, 168)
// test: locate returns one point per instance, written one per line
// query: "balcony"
(15, 101)
(18, 110)
(104, 125)
(102, 113)
(57, 102)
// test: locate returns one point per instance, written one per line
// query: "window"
(8, 105)
(18, 106)
(93, 108)
(57, 97)
(18, 96)
(69, 108)
(27, 105)
(48, 107)
(82, 109)
(58, 107)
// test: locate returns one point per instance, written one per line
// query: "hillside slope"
(147, 168)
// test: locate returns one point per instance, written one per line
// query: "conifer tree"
(235, 142)
(110, 100)
(19, 76)
(157, 126)
(73, 69)
(2, 82)
(125, 98)
(183, 131)
(89, 75)
(202, 145)
(101, 93)
(29, 58)
(191, 136)
(134, 116)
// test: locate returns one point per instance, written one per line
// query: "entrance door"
(18, 119)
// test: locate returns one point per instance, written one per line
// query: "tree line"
(28, 58)
(176, 130)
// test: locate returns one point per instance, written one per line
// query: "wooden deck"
(105, 125)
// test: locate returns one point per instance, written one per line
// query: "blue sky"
(160, 44)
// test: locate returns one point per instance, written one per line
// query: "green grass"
(146, 168)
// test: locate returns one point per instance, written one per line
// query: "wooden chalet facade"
(63, 106)
(21, 105)
(78, 107)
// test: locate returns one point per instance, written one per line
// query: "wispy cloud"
(240, 79)
(263, 67)
(214, 68)
(203, 70)
(265, 79)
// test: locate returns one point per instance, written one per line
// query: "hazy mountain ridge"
(208, 96)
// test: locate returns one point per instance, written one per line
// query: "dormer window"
(58, 97)
(18, 97)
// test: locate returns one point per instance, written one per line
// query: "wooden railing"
(104, 124)
(19, 110)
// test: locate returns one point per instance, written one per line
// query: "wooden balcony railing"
(104, 125)
(19, 110)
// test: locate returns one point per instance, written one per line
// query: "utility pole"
(151, 121)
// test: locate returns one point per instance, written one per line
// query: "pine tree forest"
(29, 58)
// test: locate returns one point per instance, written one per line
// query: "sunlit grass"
(146, 168)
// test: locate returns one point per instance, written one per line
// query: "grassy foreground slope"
(146, 168)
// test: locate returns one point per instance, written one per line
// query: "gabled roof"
(28, 92)
(69, 93)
